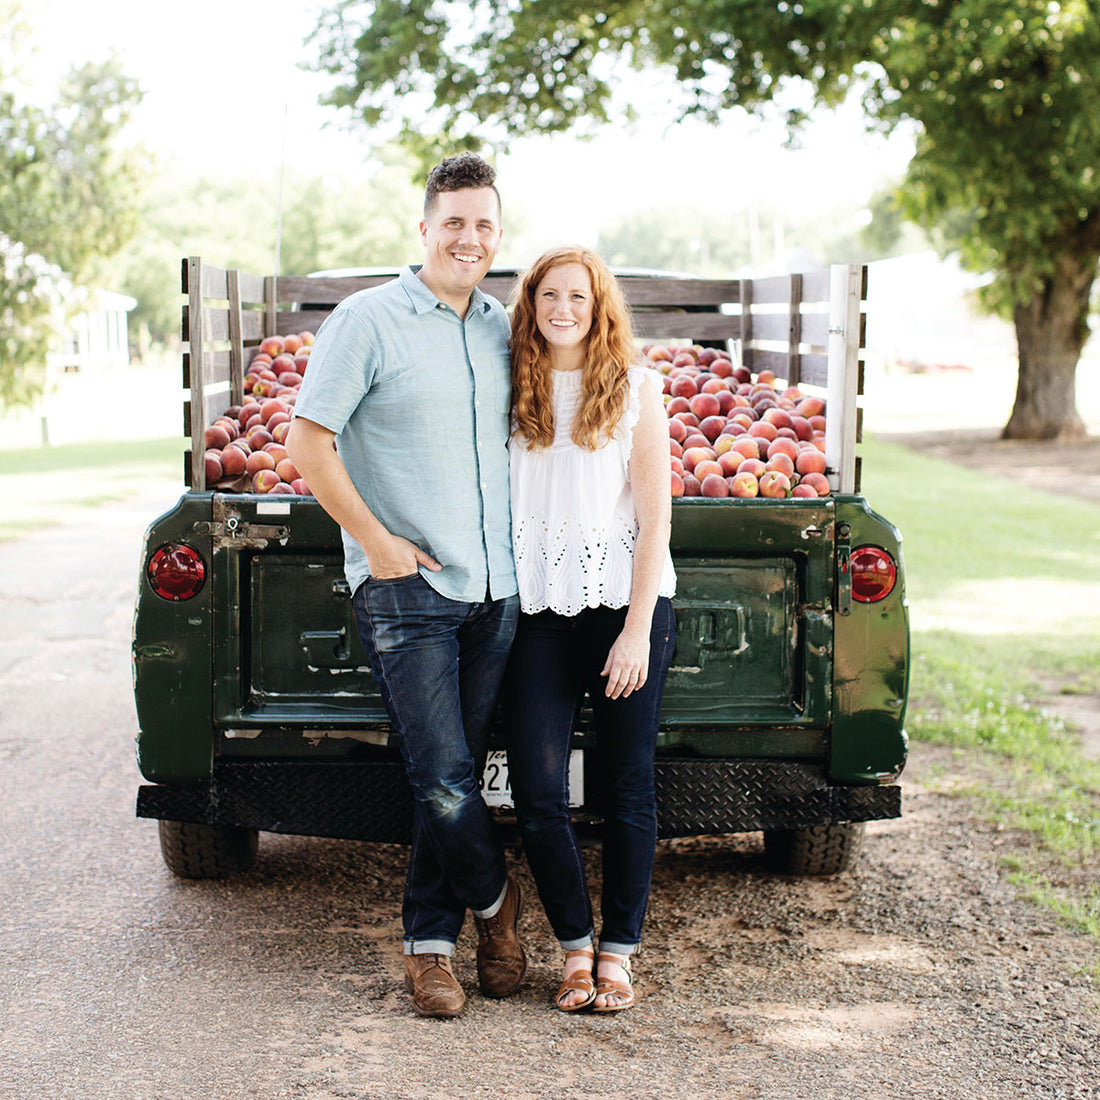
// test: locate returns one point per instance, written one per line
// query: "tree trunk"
(1051, 330)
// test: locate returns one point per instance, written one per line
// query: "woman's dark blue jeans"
(555, 660)
(439, 664)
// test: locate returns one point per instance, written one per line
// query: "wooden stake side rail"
(788, 324)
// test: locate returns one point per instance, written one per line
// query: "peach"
(281, 487)
(694, 455)
(271, 406)
(723, 443)
(657, 354)
(678, 484)
(801, 426)
(272, 345)
(810, 406)
(704, 405)
(230, 424)
(817, 423)
(683, 385)
(300, 487)
(301, 361)
(677, 430)
(695, 438)
(290, 378)
(248, 410)
(727, 401)
(213, 466)
(675, 449)
(292, 342)
(702, 470)
(713, 426)
(801, 490)
(744, 485)
(818, 482)
(746, 446)
(714, 485)
(307, 337)
(784, 446)
(234, 461)
(777, 416)
(706, 356)
(691, 485)
(715, 387)
(676, 464)
(678, 405)
(259, 460)
(810, 461)
(730, 462)
(281, 431)
(766, 377)
(216, 437)
(258, 437)
(263, 481)
(684, 359)
(763, 430)
(775, 484)
(723, 368)
(781, 462)
(688, 419)
(752, 466)
(287, 470)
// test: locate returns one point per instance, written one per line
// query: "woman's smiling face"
(563, 308)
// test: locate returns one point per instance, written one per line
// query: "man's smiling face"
(461, 235)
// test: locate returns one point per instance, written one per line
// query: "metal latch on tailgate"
(843, 569)
(228, 530)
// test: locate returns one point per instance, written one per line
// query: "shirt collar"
(424, 301)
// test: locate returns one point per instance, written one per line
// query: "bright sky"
(222, 84)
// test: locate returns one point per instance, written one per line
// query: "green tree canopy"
(1005, 95)
(68, 192)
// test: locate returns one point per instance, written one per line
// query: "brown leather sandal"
(579, 981)
(613, 987)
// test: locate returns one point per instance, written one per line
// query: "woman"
(591, 514)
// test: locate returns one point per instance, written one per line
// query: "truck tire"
(207, 851)
(814, 850)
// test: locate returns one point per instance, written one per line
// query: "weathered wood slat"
(688, 326)
(777, 288)
(812, 328)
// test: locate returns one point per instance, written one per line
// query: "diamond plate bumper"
(372, 801)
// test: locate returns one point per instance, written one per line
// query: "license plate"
(497, 790)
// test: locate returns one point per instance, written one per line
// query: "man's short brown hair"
(459, 173)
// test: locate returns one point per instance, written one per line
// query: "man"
(411, 381)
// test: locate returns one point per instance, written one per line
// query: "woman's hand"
(627, 665)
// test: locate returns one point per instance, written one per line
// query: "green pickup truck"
(784, 708)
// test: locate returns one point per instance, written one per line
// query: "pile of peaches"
(244, 446)
(733, 434)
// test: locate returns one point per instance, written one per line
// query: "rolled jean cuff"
(620, 948)
(576, 945)
(486, 914)
(429, 947)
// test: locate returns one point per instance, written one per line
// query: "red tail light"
(176, 571)
(874, 574)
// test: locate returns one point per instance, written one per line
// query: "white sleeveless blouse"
(573, 519)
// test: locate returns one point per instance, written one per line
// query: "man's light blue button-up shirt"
(419, 399)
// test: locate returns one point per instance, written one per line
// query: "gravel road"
(919, 974)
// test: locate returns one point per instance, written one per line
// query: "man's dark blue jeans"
(555, 660)
(439, 664)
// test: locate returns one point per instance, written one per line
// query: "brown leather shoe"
(501, 962)
(434, 988)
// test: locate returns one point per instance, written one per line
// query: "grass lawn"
(1004, 587)
(44, 485)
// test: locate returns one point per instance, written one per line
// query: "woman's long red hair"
(610, 352)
